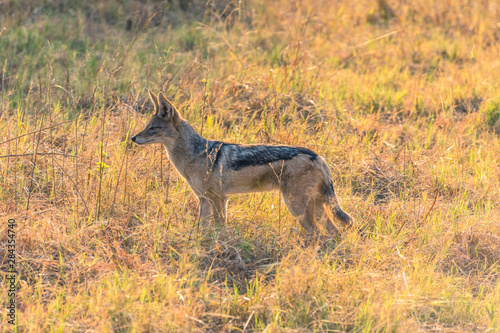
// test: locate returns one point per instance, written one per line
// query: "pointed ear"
(153, 99)
(167, 110)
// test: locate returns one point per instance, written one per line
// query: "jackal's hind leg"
(297, 205)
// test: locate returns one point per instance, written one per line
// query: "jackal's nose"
(134, 138)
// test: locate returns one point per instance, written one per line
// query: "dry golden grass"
(401, 98)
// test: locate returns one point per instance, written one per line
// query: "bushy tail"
(342, 216)
(338, 213)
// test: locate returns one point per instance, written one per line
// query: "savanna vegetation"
(402, 98)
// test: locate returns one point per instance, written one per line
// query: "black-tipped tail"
(342, 216)
(338, 213)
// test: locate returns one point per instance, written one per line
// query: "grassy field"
(401, 98)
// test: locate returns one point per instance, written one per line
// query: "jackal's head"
(162, 127)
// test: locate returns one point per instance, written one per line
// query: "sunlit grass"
(401, 99)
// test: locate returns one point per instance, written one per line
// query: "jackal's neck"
(185, 149)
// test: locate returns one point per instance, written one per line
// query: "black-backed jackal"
(214, 170)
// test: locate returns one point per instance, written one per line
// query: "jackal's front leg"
(205, 208)
(213, 206)
(219, 209)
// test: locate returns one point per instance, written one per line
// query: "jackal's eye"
(152, 130)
